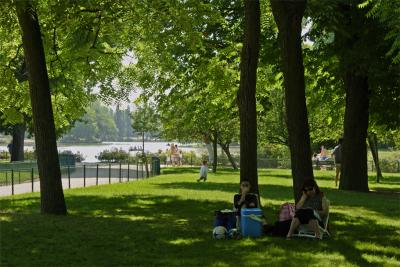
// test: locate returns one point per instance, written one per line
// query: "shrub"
(4, 155)
(78, 155)
(113, 155)
(29, 155)
(274, 151)
(389, 165)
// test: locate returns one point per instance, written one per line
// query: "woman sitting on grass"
(310, 209)
(245, 199)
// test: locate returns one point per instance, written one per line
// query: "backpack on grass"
(224, 224)
(225, 218)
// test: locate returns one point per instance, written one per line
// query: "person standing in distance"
(10, 146)
(337, 156)
(203, 171)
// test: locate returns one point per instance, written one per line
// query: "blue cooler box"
(250, 222)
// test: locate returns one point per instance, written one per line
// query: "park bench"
(323, 164)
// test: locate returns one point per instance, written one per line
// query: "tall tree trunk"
(17, 153)
(247, 94)
(354, 174)
(145, 162)
(209, 148)
(146, 165)
(225, 148)
(215, 151)
(288, 16)
(51, 191)
(373, 145)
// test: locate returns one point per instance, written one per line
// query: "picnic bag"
(286, 212)
(225, 218)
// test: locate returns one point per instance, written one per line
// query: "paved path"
(75, 183)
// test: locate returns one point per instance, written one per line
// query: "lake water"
(90, 152)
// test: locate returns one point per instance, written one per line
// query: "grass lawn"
(167, 221)
(20, 176)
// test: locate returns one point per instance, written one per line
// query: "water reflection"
(90, 151)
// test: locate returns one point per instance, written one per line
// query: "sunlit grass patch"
(187, 241)
(379, 260)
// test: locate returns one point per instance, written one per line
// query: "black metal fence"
(80, 175)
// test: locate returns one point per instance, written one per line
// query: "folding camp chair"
(304, 230)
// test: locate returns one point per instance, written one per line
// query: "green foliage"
(29, 155)
(196, 68)
(78, 156)
(338, 48)
(387, 12)
(145, 118)
(325, 95)
(271, 108)
(274, 151)
(122, 120)
(184, 55)
(389, 166)
(84, 44)
(96, 125)
(113, 155)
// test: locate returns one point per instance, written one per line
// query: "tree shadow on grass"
(388, 178)
(275, 192)
(20, 204)
(356, 235)
(149, 230)
(385, 191)
(285, 193)
(185, 170)
(179, 170)
(273, 174)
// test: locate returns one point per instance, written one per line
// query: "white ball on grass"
(219, 232)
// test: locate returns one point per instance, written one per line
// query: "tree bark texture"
(373, 145)
(354, 175)
(146, 166)
(145, 158)
(288, 16)
(51, 191)
(18, 136)
(247, 94)
(225, 148)
(215, 151)
(214, 139)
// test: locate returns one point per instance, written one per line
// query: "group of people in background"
(336, 155)
(175, 155)
(323, 155)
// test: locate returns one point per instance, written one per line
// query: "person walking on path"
(337, 156)
(203, 171)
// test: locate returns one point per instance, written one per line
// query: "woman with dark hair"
(310, 209)
(245, 199)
